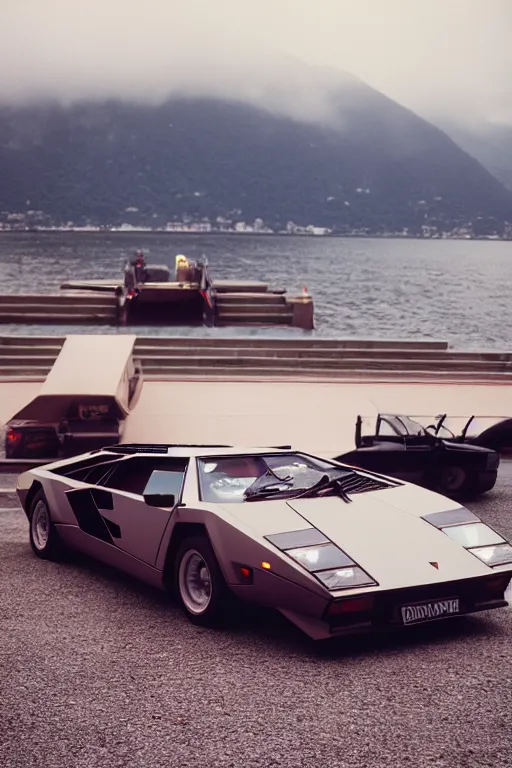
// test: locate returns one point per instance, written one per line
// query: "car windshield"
(238, 478)
(403, 426)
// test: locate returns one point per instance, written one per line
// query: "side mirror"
(160, 499)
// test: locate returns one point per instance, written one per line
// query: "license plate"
(434, 609)
(92, 411)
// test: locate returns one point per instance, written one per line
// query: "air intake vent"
(355, 483)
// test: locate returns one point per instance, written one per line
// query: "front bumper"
(473, 595)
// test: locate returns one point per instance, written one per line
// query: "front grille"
(493, 461)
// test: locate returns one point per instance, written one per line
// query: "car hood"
(382, 531)
(452, 445)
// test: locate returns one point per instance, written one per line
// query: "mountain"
(490, 144)
(370, 164)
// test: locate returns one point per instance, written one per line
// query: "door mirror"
(160, 499)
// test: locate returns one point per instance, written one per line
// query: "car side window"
(148, 474)
(165, 481)
(96, 474)
(385, 429)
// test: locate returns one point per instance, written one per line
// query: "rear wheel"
(199, 583)
(44, 539)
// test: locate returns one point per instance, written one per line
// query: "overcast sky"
(448, 57)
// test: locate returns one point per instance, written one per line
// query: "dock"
(236, 304)
(152, 295)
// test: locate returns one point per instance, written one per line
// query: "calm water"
(457, 291)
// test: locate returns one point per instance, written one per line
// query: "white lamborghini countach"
(335, 549)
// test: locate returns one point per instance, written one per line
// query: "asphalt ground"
(99, 671)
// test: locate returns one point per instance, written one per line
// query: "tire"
(44, 539)
(454, 480)
(199, 584)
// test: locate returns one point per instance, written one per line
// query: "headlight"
(473, 535)
(323, 559)
(501, 554)
(345, 578)
(467, 529)
(320, 558)
(456, 516)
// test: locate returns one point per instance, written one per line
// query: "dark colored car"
(429, 456)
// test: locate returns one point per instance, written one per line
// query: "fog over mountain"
(377, 167)
(490, 143)
(441, 57)
(283, 109)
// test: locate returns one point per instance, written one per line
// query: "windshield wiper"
(324, 484)
(265, 485)
(257, 492)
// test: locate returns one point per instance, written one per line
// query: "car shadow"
(252, 624)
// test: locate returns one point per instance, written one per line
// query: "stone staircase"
(166, 358)
(62, 308)
(255, 308)
(25, 358)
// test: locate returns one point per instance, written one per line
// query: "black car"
(429, 456)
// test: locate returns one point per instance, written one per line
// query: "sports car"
(335, 549)
(431, 456)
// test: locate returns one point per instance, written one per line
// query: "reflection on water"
(457, 291)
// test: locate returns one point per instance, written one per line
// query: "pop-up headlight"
(473, 535)
(467, 529)
(501, 554)
(323, 559)
(346, 578)
(319, 558)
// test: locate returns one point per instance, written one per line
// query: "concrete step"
(239, 286)
(234, 299)
(28, 352)
(303, 353)
(255, 318)
(20, 362)
(36, 371)
(31, 341)
(26, 318)
(253, 309)
(175, 342)
(56, 299)
(57, 309)
(193, 372)
(341, 363)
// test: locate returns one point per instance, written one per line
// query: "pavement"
(99, 671)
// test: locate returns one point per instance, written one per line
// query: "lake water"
(458, 291)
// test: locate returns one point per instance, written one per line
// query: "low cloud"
(441, 57)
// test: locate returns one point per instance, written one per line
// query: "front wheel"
(44, 539)
(199, 583)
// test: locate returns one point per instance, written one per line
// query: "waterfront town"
(38, 221)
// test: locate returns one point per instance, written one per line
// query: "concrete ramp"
(91, 369)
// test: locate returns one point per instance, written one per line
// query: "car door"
(134, 526)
